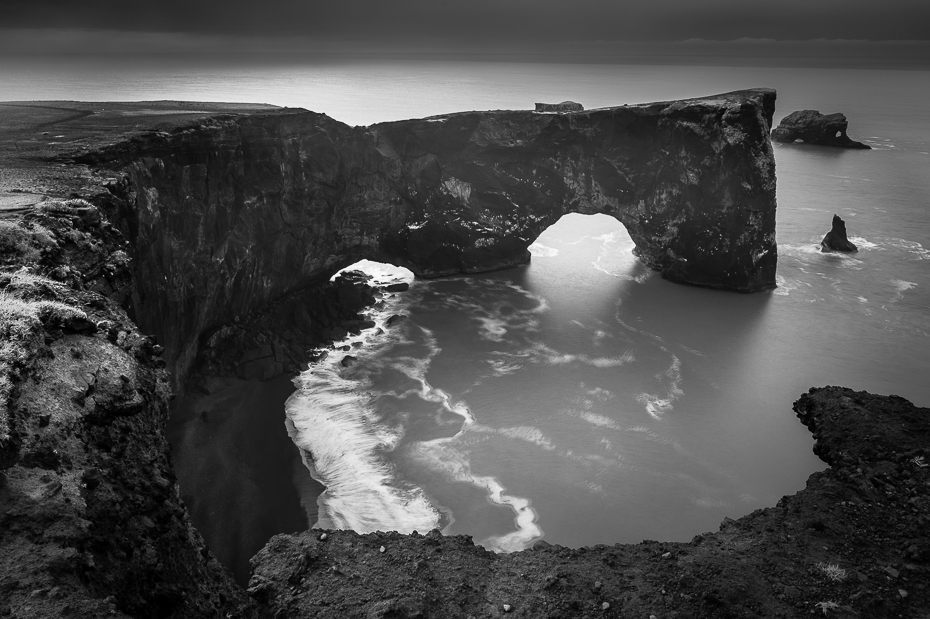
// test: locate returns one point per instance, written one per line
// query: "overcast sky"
(411, 21)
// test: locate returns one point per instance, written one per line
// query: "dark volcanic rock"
(846, 546)
(812, 127)
(564, 106)
(836, 240)
(238, 210)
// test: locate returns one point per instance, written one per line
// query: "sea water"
(581, 398)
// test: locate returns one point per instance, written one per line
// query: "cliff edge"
(124, 220)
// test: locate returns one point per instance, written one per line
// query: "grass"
(833, 572)
(23, 245)
(21, 318)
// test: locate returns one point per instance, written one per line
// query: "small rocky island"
(835, 239)
(812, 127)
(186, 220)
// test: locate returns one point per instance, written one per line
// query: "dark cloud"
(499, 20)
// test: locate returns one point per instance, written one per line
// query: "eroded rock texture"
(812, 127)
(233, 212)
(836, 239)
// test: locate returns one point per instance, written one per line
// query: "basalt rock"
(239, 209)
(836, 240)
(812, 127)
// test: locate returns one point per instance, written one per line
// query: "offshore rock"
(564, 106)
(236, 210)
(812, 127)
(836, 240)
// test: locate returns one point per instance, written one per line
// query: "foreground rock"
(91, 523)
(812, 127)
(836, 239)
(852, 544)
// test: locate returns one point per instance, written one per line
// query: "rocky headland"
(141, 241)
(812, 127)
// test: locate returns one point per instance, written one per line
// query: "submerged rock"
(836, 239)
(812, 127)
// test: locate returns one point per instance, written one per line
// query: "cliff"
(227, 213)
(199, 213)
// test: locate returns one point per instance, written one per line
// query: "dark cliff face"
(232, 213)
(812, 127)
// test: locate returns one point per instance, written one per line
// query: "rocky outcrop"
(852, 544)
(812, 127)
(91, 521)
(235, 211)
(836, 240)
(564, 106)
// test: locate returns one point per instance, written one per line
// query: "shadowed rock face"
(836, 239)
(240, 209)
(812, 127)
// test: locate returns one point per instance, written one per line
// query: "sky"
(438, 22)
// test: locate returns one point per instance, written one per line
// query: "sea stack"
(812, 127)
(836, 238)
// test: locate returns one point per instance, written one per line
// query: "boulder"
(836, 240)
(812, 127)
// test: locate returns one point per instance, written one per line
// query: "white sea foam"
(598, 420)
(863, 243)
(538, 250)
(447, 457)
(530, 434)
(901, 287)
(657, 405)
(343, 441)
(542, 353)
(335, 426)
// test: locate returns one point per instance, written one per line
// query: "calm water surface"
(582, 398)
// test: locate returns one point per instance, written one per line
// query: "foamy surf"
(657, 405)
(447, 456)
(343, 441)
(343, 445)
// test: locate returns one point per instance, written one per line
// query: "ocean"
(579, 399)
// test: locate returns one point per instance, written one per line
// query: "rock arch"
(239, 209)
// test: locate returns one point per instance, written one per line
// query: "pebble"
(902, 593)
(506, 608)
(382, 549)
(323, 536)
(605, 605)
(667, 555)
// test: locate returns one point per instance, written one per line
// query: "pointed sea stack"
(836, 238)
(812, 127)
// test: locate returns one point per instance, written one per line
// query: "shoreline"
(92, 523)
